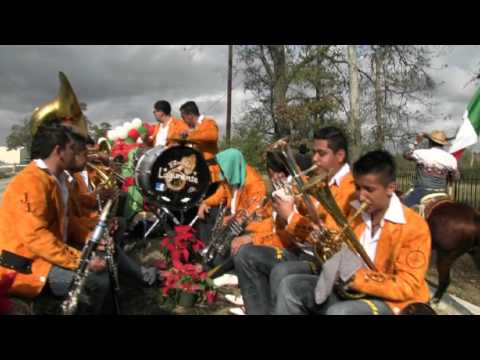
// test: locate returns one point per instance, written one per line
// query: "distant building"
(18, 156)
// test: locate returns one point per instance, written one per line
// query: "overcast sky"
(122, 82)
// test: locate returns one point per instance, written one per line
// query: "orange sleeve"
(206, 132)
(410, 268)
(219, 197)
(300, 225)
(263, 226)
(267, 239)
(34, 211)
(177, 128)
(255, 191)
(80, 228)
(88, 201)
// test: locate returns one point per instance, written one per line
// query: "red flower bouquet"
(182, 275)
(6, 283)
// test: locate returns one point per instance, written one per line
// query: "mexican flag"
(468, 133)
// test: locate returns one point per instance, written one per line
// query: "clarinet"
(113, 272)
(69, 306)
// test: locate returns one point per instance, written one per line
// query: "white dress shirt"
(393, 214)
(338, 177)
(435, 157)
(84, 175)
(335, 180)
(163, 134)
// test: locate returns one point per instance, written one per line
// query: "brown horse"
(455, 230)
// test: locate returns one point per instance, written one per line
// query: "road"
(3, 185)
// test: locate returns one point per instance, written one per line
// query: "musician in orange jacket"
(242, 190)
(35, 221)
(203, 133)
(261, 269)
(83, 203)
(168, 127)
(395, 239)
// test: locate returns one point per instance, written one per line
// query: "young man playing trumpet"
(396, 241)
(260, 269)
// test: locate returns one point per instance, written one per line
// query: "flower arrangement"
(183, 278)
(129, 136)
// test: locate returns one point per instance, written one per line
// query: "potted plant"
(184, 280)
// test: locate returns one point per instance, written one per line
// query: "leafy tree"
(20, 136)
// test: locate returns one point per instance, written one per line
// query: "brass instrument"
(297, 176)
(326, 242)
(109, 178)
(65, 107)
(327, 246)
(104, 145)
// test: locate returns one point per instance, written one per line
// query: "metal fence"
(466, 190)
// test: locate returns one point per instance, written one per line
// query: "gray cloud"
(122, 82)
(117, 82)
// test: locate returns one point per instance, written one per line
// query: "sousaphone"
(64, 107)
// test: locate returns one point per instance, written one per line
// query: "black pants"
(260, 270)
(98, 284)
(97, 289)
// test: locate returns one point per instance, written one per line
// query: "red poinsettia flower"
(160, 264)
(182, 229)
(211, 296)
(183, 275)
(6, 283)
(129, 181)
(198, 246)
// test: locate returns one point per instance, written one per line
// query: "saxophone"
(208, 253)
(223, 235)
(70, 304)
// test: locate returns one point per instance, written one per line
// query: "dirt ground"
(465, 279)
(465, 284)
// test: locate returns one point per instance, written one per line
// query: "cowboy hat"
(438, 137)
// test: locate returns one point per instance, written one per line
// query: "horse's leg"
(444, 263)
(475, 254)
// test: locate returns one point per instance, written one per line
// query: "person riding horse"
(435, 166)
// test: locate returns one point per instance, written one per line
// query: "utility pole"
(229, 95)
